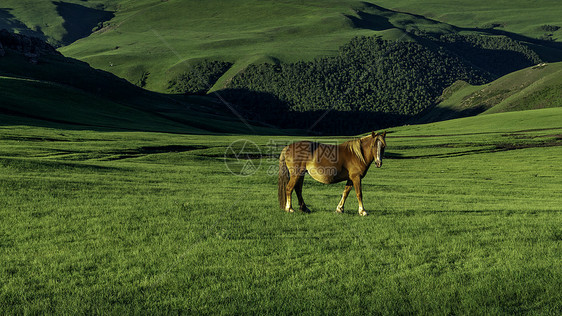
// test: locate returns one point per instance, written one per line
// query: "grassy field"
(465, 218)
(115, 199)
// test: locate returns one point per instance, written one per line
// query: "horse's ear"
(373, 134)
(384, 134)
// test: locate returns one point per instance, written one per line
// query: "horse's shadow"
(351, 212)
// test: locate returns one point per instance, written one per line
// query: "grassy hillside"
(531, 88)
(162, 39)
(521, 17)
(159, 40)
(156, 44)
(56, 89)
(32, 102)
(465, 219)
(53, 20)
(57, 22)
(43, 103)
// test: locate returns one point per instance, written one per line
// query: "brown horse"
(328, 164)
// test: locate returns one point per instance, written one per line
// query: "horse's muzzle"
(378, 164)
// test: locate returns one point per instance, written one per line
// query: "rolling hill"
(57, 22)
(38, 86)
(161, 41)
(157, 40)
(153, 44)
(535, 87)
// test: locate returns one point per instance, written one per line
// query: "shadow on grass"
(9, 22)
(79, 21)
(27, 165)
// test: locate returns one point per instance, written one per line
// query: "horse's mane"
(354, 146)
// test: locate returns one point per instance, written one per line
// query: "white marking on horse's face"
(378, 154)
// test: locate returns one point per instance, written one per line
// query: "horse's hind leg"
(297, 176)
(298, 189)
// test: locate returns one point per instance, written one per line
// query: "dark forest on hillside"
(371, 83)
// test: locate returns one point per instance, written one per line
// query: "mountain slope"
(153, 43)
(530, 88)
(159, 40)
(31, 102)
(39, 86)
(150, 42)
(53, 18)
(57, 22)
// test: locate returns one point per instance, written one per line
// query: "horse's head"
(379, 144)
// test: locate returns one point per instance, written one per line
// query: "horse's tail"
(283, 180)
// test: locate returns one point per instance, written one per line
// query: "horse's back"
(299, 153)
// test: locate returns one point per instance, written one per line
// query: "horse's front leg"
(357, 185)
(346, 190)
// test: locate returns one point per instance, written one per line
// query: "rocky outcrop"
(30, 47)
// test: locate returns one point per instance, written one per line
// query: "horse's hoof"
(339, 210)
(291, 210)
(363, 213)
(305, 209)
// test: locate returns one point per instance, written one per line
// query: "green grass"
(535, 92)
(535, 87)
(465, 219)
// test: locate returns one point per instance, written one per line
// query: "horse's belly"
(323, 174)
